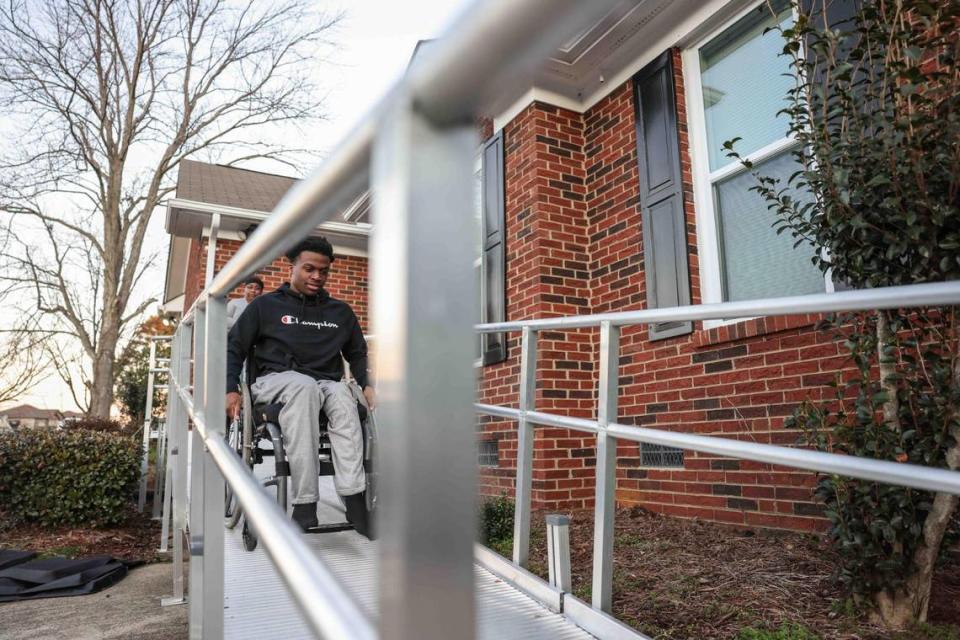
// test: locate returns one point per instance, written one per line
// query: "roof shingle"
(231, 186)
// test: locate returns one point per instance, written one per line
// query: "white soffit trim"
(338, 249)
(355, 229)
(173, 306)
(341, 250)
(707, 16)
(535, 94)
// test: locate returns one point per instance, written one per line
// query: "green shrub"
(873, 111)
(784, 632)
(100, 425)
(70, 477)
(495, 520)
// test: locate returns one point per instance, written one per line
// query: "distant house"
(26, 416)
(242, 199)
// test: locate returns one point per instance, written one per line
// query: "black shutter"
(661, 194)
(493, 304)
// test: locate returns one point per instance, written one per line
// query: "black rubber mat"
(9, 557)
(23, 578)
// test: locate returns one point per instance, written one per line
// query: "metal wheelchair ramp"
(256, 604)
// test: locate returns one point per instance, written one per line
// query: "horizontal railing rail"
(903, 474)
(608, 431)
(901, 297)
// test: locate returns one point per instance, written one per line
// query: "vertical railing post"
(159, 465)
(558, 552)
(212, 249)
(423, 304)
(170, 456)
(177, 458)
(214, 392)
(604, 507)
(147, 421)
(161, 486)
(195, 492)
(525, 436)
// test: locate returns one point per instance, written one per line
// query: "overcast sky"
(374, 43)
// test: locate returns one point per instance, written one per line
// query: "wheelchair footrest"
(331, 528)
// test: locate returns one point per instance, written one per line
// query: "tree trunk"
(910, 603)
(101, 386)
(891, 408)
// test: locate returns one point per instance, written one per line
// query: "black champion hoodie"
(294, 332)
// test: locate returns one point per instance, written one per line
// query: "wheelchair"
(259, 424)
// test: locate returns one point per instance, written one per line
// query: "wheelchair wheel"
(249, 537)
(240, 439)
(370, 453)
(230, 503)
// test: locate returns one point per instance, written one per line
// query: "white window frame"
(478, 262)
(708, 240)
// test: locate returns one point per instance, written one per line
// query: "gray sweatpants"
(302, 399)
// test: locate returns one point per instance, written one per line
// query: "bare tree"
(23, 362)
(108, 96)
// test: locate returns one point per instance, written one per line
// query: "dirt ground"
(686, 579)
(137, 539)
(673, 579)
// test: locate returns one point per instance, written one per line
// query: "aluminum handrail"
(333, 614)
(607, 430)
(907, 475)
(899, 297)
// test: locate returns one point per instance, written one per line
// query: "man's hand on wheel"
(233, 405)
(370, 396)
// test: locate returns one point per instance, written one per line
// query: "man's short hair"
(313, 245)
(254, 280)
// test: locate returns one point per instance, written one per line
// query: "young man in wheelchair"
(299, 336)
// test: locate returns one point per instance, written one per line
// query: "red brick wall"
(348, 277)
(575, 245)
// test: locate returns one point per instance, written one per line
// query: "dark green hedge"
(495, 520)
(68, 477)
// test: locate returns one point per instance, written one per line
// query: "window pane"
(758, 263)
(741, 73)
(478, 208)
(478, 279)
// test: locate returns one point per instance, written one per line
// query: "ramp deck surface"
(258, 606)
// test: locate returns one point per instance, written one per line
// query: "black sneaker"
(305, 515)
(357, 514)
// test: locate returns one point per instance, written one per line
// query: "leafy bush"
(99, 425)
(874, 112)
(785, 632)
(495, 520)
(70, 477)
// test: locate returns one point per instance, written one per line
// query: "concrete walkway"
(129, 609)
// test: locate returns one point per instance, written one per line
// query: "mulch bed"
(689, 579)
(137, 539)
